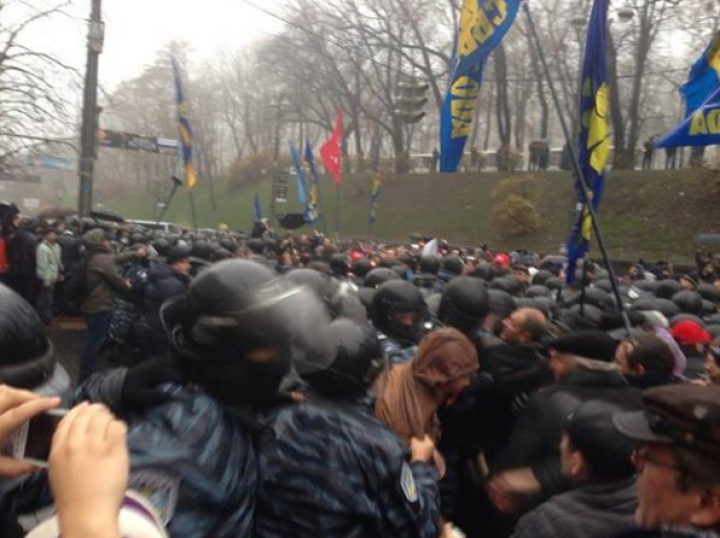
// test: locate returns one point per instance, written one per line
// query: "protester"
(102, 281)
(645, 360)
(21, 245)
(596, 460)
(413, 392)
(49, 273)
(529, 469)
(678, 460)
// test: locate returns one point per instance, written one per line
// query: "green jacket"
(49, 262)
(103, 278)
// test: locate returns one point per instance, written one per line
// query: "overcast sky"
(136, 29)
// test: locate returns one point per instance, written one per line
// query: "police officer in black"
(329, 468)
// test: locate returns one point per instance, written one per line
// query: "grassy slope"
(650, 214)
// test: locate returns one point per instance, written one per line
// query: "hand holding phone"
(16, 408)
(89, 469)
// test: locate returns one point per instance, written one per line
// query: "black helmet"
(362, 267)
(340, 264)
(379, 276)
(464, 304)
(647, 285)
(501, 303)
(430, 264)
(236, 308)
(162, 246)
(554, 283)
(667, 308)
(228, 244)
(219, 253)
(667, 288)
(324, 287)
(537, 290)
(256, 245)
(484, 270)
(453, 265)
(689, 302)
(137, 238)
(398, 296)
(709, 292)
(26, 355)
(202, 249)
(541, 277)
(358, 361)
(603, 284)
(508, 283)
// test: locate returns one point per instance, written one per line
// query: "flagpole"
(176, 183)
(192, 210)
(576, 166)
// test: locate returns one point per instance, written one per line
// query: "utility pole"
(96, 35)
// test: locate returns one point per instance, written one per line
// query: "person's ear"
(578, 467)
(707, 514)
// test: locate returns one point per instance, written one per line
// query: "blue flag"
(312, 212)
(300, 175)
(257, 213)
(184, 128)
(704, 77)
(483, 24)
(700, 128)
(374, 195)
(594, 137)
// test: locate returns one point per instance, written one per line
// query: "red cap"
(690, 333)
(501, 259)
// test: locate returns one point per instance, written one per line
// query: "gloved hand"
(142, 386)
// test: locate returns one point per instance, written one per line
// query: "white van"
(167, 227)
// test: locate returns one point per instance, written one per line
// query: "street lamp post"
(96, 35)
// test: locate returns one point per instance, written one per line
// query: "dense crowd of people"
(278, 385)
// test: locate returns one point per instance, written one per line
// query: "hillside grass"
(654, 215)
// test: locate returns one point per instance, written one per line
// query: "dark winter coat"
(21, 249)
(588, 511)
(103, 279)
(163, 283)
(535, 439)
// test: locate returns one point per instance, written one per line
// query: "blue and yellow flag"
(704, 77)
(483, 24)
(312, 212)
(700, 128)
(594, 138)
(375, 185)
(300, 181)
(184, 129)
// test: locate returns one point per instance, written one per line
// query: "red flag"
(331, 151)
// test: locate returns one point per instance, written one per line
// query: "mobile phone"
(31, 442)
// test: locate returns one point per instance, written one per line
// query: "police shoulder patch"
(407, 484)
